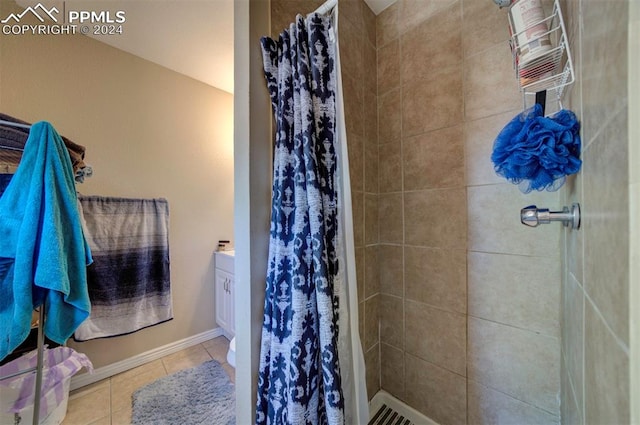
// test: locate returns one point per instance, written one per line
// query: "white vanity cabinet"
(224, 291)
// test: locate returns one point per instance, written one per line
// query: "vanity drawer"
(224, 261)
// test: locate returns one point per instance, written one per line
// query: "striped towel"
(129, 280)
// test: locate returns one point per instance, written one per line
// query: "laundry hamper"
(17, 393)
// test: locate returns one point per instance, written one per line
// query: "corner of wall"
(252, 128)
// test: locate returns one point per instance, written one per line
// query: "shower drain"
(387, 416)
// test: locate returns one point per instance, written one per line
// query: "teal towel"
(43, 252)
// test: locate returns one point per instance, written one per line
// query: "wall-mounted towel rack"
(14, 124)
(14, 134)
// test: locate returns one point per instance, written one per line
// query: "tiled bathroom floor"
(108, 402)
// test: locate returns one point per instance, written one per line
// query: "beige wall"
(252, 144)
(595, 320)
(469, 298)
(149, 132)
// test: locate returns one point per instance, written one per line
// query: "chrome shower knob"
(533, 216)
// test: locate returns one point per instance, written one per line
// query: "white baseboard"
(142, 358)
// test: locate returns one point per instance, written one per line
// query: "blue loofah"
(538, 152)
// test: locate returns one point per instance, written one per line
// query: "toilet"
(231, 354)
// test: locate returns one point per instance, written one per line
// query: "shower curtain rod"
(326, 7)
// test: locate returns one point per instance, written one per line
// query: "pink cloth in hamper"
(60, 364)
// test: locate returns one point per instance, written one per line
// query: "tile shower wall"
(469, 298)
(357, 29)
(428, 85)
(595, 308)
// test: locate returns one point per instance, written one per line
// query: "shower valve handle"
(533, 216)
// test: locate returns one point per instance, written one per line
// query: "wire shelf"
(550, 71)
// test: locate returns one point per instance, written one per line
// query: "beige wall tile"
(283, 13)
(437, 277)
(370, 219)
(571, 411)
(490, 86)
(437, 393)
(413, 12)
(355, 146)
(574, 239)
(390, 259)
(484, 26)
(434, 160)
(573, 93)
(606, 224)
(372, 364)
(387, 25)
(357, 202)
(370, 24)
(351, 49)
(494, 221)
(515, 290)
(604, 63)
(371, 271)
(434, 44)
(634, 89)
(520, 363)
(436, 218)
(361, 324)
(370, 117)
(371, 319)
(441, 342)
(389, 67)
(389, 116)
(370, 60)
(390, 217)
(606, 369)
(391, 320)
(596, 360)
(390, 167)
(392, 370)
(487, 406)
(353, 99)
(432, 103)
(352, 10)
(371, 167)
(479, 136)
(572, 308)
(360, 272)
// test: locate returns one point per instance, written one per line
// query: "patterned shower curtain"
(299, 380)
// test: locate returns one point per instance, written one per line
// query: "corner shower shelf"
(551, 72)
